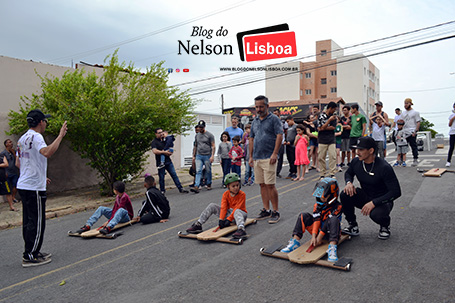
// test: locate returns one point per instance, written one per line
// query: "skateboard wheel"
(179, 233)
(255, 221)
(348, 267)
(261, 249)
(240, 241)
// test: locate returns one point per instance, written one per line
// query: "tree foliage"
(426, 125)
(112, 117)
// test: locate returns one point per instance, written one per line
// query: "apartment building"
(333, 75)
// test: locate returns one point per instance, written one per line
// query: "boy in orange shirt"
(232, 209)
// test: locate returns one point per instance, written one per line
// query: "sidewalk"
(74, 201)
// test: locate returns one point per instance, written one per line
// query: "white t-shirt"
(397, 117)
(452, 128)
(378, 132)
(410, 118)
(33, 170)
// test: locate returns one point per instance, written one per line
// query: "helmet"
(326, 188)
(232, 177)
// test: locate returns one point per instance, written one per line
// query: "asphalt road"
(150, 263)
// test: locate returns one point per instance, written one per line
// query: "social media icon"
(186, 70)
(177, 70)
(170, 70)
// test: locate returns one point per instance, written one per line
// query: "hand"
(63, 130)
(314, 240)
(273, 158)
(167, 153)
(251, 162)
(136, 219)
(350, 190)
(211, 159)
(48, 181)
(224, 223)
(367, 208)
(164, 220)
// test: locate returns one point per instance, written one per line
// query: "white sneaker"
(448, 164)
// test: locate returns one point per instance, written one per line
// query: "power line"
(330, 64)
(100, 49)
(416, 91)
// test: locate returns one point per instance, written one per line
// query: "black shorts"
(4, 188)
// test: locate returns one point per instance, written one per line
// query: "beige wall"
(285, 87)
(65, 168)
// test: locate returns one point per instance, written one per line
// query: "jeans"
(226, 165)
(202, 160)
(163, 157)
(412, 141)
(238, 170)
(451, 147)
(121, 216)
(249, 172)
(290, 153)
(171, 170)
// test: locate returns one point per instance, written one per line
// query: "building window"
(323, 96)
(333, 89)
(323, 52)
(308, 92)
(307, 75)
(301, 76)
(333, 73)
(323, 80)
(301, 92)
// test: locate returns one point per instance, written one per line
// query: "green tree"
(426, 125)
(111, 118)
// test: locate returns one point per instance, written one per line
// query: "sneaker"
(342, 164)
(251, 183)
(448, 164)
(263, 214)
(415, 162)
(183, 191)
(333, 176)
(245, 184)
(83, 229)
(163, 192)
(289, 176)
(332, 252)
(396, 164)
(35, 261)
(195, 190)
(339, 168)
(239, 234)
(44, 255)
(403, 164)
(384, 233)
(209, 187)
(105, 230)
(274, 218)
(292, 245)
(195, 228)
(278, 176)
(161, 166)
(352, 230)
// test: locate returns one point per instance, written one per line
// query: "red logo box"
(269, 46)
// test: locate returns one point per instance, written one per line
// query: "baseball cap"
(365, 143)
(201, 123)
(379, 103)
(408, 100)
(36, 115)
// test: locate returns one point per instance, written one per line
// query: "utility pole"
(222, 104)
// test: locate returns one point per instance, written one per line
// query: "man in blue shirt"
(265, 142)
(234, 130)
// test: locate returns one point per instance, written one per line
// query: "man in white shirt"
(32, 154)
(411, 120)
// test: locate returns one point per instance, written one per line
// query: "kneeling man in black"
(378, 189)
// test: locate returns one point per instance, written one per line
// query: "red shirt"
(236, 154)
(123, 202)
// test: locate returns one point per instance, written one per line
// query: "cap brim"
(47, 116)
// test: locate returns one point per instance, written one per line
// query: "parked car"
(439, 136)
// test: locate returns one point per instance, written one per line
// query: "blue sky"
(61, 32)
